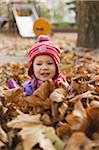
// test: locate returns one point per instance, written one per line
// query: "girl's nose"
(44, 66)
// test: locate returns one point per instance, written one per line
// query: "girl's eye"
(50, 63)
(38, 64)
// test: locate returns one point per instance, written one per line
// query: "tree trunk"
(88, 24)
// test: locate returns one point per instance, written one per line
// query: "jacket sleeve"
(28, 88)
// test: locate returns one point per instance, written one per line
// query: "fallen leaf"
(78, 119)
(58, 103)
(24, 120)
(41, 96)
(79, 141)
(3, 136)
(33, 133)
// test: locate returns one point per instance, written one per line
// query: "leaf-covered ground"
(55, 119)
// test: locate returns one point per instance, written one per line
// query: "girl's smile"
(44, 67)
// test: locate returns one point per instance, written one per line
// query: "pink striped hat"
(44, 46)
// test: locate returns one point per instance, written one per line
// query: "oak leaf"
(41, 95)
(78, 120)
(3, 136)
(33, 132)
(58, 102)
(79, 141)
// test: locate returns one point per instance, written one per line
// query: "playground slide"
(3, 20)
(25, 23)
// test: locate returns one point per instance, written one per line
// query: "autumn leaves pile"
(52, 119)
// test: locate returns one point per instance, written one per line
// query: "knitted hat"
(44, 46)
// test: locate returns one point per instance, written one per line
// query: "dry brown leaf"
(58, 95)
(81, 69)
(95, 103)
(78, 120)
(45, 89)
(1, 144)
(19, 146)
(46, 119)
(93, 115)
(13, 95)
(92, 67)
(67, 69)
(43, 135)
(3, 136)
(97, 88)
(68, 57)
(16, 96)
(79, 141)
(62, 110)
(95, 136)
(64, 131)
(41, 95)
(78, 76)
(79, 86)
(81, 96)
(58, 102)
(33, 132)
(95, 78)
(2, 108)
(24, 120)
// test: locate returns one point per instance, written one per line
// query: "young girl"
(44, 60)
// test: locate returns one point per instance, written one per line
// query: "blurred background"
(72, 24)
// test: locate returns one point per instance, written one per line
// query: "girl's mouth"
(45, 74)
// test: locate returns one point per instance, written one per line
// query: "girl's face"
(44, 67)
